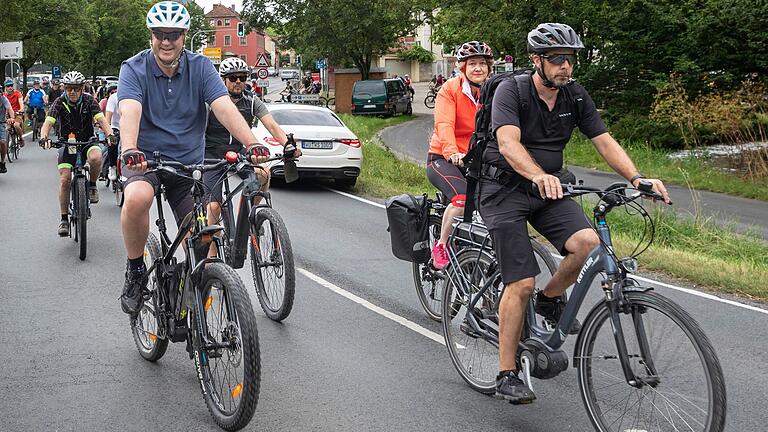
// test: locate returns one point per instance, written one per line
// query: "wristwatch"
(635, 177)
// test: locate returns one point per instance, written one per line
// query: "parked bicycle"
(642, 362)
(430, 281)
(260, 228)
(201, 301)
(79, 204)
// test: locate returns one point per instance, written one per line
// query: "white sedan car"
(329, 149)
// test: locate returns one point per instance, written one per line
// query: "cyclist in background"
(35, 101)
(408, 85)
(55, 92)
(75, 114)
(457, 102)
(5, 112)
(17, 104)
(113, 118)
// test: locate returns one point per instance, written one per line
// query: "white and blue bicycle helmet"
(168, 14)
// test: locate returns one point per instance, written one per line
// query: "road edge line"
(368, 305)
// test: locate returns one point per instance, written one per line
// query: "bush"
(639, 128)
(416, 53)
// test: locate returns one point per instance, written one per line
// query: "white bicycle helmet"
(233, 65)
(168, 14)
(73, 78)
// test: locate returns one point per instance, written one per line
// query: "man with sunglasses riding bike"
(218, 140)
(74, 113)
(527, 151)
(164, 93)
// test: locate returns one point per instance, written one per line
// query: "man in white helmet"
(162, 94)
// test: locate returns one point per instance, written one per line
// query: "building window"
(226, 22)
(218, 23)
(227, 40)
(213, 22)
(212, 40)
(243, 42)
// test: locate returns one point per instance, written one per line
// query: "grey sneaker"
(93, 194)
(511, 388)
(64, 229)
(132, 298)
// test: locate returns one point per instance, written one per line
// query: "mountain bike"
(201, 301)
(643, 363)
(429, 281)
(260, 229)
(36, 123)
(79, 204)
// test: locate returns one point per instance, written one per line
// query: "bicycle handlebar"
(614, 194)
(63, 143)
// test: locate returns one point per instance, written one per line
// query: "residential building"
(224, 21)
(443, 61)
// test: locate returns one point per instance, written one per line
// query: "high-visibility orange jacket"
(455, 109)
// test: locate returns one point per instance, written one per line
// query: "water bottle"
(71, 138)
(291, 172)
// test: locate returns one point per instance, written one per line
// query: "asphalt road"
(411, 140)
(69, 363)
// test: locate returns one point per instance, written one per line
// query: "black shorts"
(40, 114)
(178, 190)
(68, 161)
(506, 210)
(214, 182)
(447, 178)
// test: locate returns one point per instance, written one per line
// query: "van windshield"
(369, 87)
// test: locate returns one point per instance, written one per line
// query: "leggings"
(448, 178)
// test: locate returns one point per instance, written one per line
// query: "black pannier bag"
(408, 218)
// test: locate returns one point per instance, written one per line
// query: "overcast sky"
(207, 5)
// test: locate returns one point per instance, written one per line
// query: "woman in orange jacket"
(455, 108)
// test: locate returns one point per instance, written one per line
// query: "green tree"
(343, 32)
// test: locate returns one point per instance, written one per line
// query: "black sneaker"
(132, 298)
(511, 388)
(552, 309)
(93, 194)
(3, 169)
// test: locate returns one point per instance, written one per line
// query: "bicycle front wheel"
(429, 101)
(681, 385)
(331, 104)
(145, 328)
(227, 353)
(35, 130)
(475, 358)
(272, 264)
(429, 281)
(81, 220)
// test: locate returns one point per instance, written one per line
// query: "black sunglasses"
(234, 78)
(72, 88)
(172, 36)
(558, 59)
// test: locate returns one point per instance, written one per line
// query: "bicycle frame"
(601, 260)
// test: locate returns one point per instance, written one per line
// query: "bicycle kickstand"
(526, 363)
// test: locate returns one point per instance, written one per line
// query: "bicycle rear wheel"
(429, 101)
(475, 358)
(272, 264)
(227, 353)
(429, 281)
(681, 381)
(80, 211)
(145, 328)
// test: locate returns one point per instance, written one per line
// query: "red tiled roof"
(221, 11)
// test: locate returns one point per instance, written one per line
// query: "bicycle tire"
(16, 148)
(35, 131)
(429, 289)
(149, 343)
(117, 188)
(331, 104)
(641, 304)
(322, 102)
(81, 218)
(267, 271)
(429, 101)
(228, 287)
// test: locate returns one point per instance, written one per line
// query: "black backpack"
(483, 134)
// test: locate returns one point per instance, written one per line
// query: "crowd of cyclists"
(172, 101)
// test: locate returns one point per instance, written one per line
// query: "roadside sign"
(262, 61)
(55, 71)
(508, 59)
(213, 53)
(509, 67)
(305, 98)
(262, 83)
(262, 73)
(320, 64)
(11, 50)
(315, 76)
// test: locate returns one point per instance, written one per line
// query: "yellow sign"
(213, 53)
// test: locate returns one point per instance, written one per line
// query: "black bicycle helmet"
(547, 36)
(473, 49)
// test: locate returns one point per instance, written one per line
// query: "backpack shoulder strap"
(523, 82)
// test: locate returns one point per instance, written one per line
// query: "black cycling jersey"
(76, 118)
(218, 140)
(544, 133)
(54, 94)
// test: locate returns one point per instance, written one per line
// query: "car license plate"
(72, 149)
(324, 145)
(369, 106)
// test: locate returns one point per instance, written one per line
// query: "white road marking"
(365, 303)
(661, 284)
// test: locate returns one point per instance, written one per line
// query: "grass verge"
(695, 250)
(655, 163)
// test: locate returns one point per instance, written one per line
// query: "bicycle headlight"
(629, 264)
(197, 174)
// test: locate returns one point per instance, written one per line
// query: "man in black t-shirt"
(528, 149)
(218, 141)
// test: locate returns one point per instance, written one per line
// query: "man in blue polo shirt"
(162, 94)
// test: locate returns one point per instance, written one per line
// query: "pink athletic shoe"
(439, 256)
